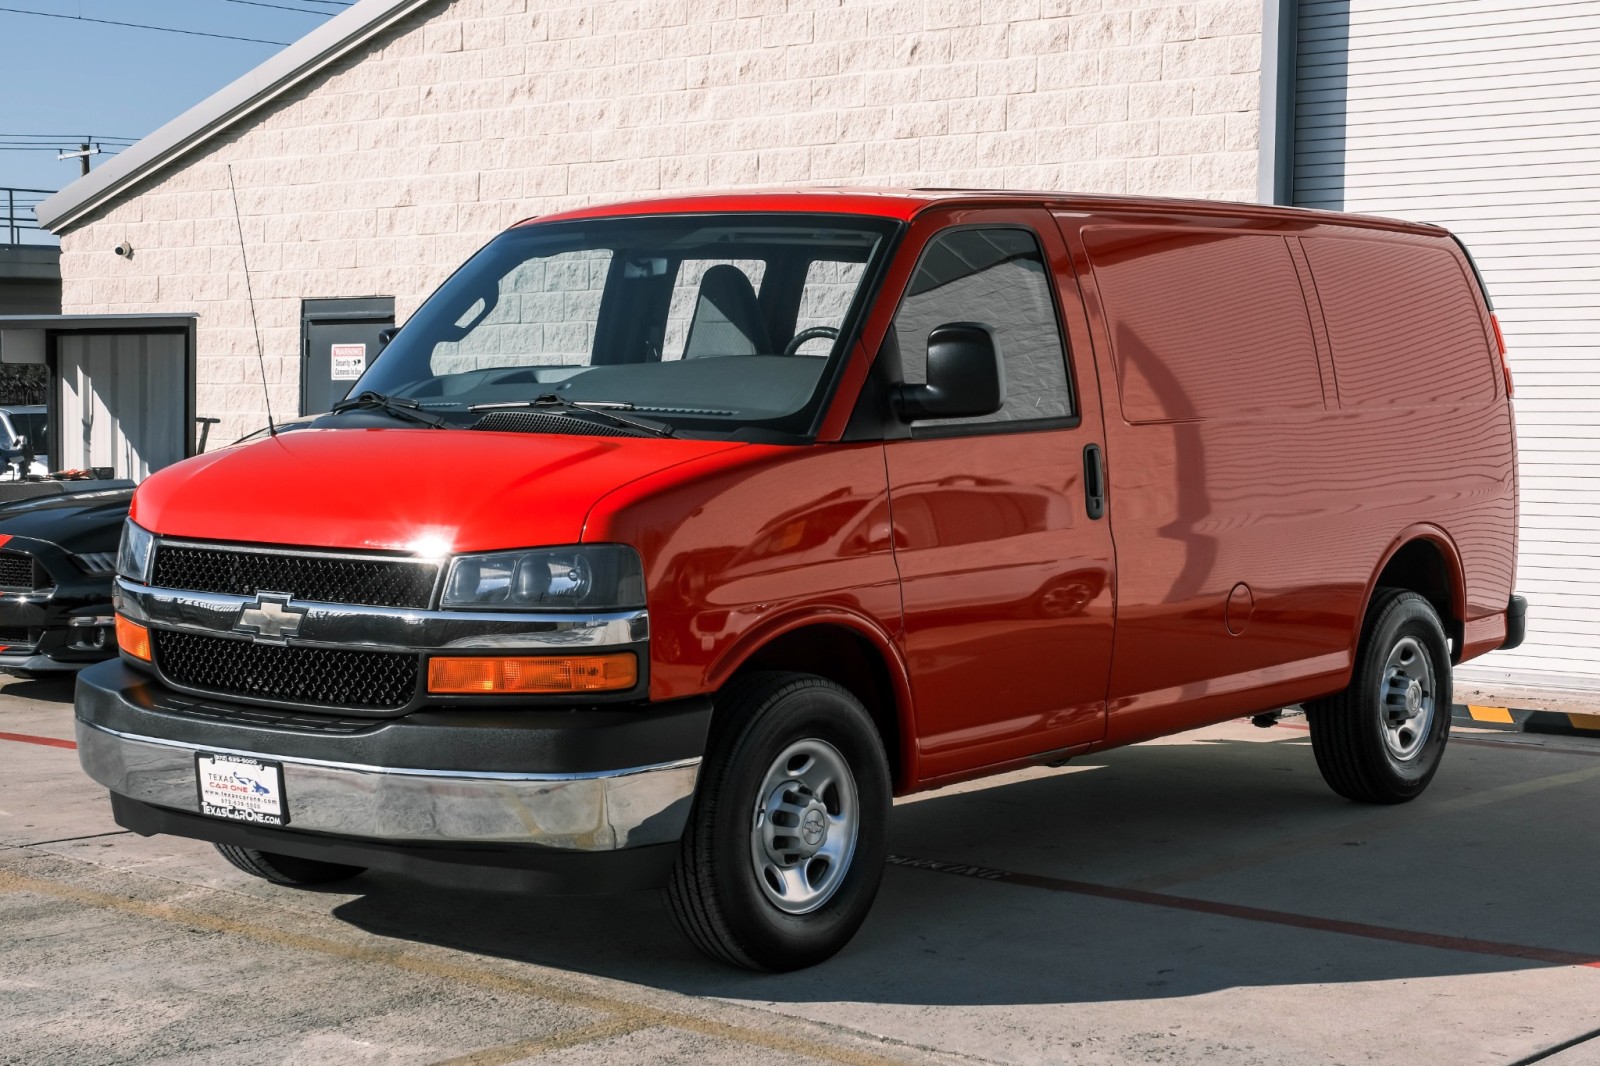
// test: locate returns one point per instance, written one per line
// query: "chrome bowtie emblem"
(813, 827)
(270, 618)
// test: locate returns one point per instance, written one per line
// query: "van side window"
(1403, 323)
(1204, 324)
(997, 277)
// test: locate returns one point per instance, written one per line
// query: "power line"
(50, 146)
(61, 137)
(25, 141)
(142, 26)
(283, 7)
(64, 148)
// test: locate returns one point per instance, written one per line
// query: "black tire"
(716, 892)
(286, 869)
(1361, 745)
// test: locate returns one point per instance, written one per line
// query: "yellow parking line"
(622, 1011)
(1489, 797)
(527, 1049)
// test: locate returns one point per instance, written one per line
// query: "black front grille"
(327, 677)
(16, 570)
(15, 635)
(269, 717)
(373, 582)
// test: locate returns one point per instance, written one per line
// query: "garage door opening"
(120, 399)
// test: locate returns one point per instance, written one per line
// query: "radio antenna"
(261, 360)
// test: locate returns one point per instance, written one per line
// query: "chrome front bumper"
(577, 812)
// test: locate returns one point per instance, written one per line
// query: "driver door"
(1006, 575)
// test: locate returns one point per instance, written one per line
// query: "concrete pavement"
(1203, 899)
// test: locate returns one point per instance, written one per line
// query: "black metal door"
(339, 339)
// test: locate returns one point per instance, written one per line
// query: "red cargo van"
(668, 541)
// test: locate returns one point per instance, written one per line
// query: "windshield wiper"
(407, 410)
(596, 409)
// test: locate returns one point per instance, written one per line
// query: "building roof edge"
(305, 57)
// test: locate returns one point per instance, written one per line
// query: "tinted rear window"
(1204, 325)
(1403, 322)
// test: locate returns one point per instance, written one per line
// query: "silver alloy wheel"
(803, 831)
(1406, 698)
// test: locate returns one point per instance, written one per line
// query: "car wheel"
(286, 869)
(1381, 739)
(786, 842)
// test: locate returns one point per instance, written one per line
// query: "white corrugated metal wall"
(116, 402)
(1484, 116)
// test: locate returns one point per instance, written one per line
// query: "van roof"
(904, 204)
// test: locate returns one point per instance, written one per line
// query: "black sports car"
(57, 556)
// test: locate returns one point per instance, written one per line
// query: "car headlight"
(96, 564)
(592, 577)
(135, 552)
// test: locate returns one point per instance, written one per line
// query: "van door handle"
(1094, 481)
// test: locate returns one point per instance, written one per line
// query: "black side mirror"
(385, 336)
(964, 378)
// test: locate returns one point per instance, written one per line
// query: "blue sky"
(65, 76)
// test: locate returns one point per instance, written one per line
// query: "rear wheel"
(1381, 739)
(286, 869)
(785, 846)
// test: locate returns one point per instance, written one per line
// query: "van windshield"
(714, 325)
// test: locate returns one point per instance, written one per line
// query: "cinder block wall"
(378, 177)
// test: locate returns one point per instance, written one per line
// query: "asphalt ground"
(1200, 900)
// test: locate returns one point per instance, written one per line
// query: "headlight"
(135, 552)
(593, 577)
(98, 564)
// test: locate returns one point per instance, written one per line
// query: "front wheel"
(1381, 739)
(286, 869)
(786, 844)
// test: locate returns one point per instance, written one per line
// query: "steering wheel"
(814, 333)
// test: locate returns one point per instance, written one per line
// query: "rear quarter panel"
(1440, 428)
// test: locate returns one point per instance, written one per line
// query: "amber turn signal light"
(133, 638)
(533, 674)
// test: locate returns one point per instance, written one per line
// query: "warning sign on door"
(349, 361)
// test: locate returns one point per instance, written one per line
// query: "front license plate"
(241, 788)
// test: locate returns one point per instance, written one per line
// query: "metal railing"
(18, 218)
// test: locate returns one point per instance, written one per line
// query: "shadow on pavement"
(1236, 821)
(47, 688)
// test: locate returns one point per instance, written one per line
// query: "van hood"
(418, 490)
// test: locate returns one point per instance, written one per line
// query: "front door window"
(997, 277)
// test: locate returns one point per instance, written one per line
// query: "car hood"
(78, 522)
(416, 490)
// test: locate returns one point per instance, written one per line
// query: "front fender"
(760, 636)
